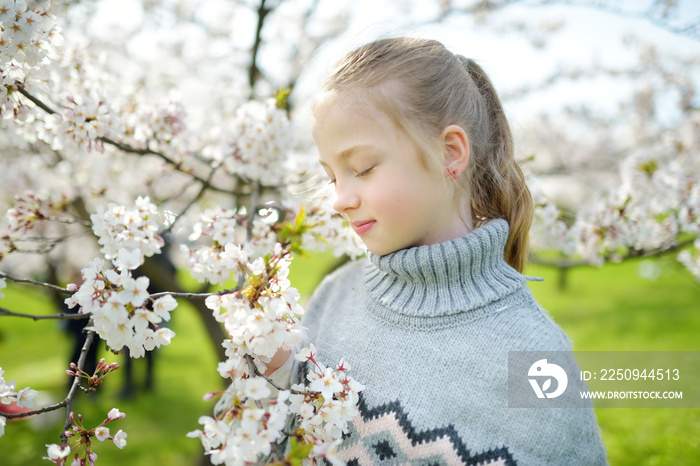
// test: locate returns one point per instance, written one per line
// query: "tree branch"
(254, 370)
(34, 282)
(631, 254)
(69, 221)
(193, 295)
(45, 409)
(76, 384)
(199, 195)
(124, 147)
(69, 398)
(61, 316)
(37, 102)
(253, 70)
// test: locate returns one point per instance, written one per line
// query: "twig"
(253, 70)
(199, 195)
(76, 384)
(69, 398)
(44, 239)
(37, 102)
(61, 316)
(34, 282)
(45, 409)
(254, 370)
(194, 295)
(69, 221)
(632, 254)
(253, 210)
(124, 146)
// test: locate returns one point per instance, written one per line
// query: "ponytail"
(497, 184)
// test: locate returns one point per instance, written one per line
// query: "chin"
(381, 250)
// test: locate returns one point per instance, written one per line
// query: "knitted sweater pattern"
(427, 330)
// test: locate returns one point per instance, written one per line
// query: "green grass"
(612, 308)
(156, 422)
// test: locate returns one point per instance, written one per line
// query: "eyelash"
(365, 172)
(359, 174)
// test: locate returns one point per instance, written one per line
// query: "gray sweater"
(427, 330)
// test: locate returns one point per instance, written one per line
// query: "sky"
(586, 34)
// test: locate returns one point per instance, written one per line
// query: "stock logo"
(548, 371)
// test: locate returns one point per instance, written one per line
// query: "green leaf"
(282, 98)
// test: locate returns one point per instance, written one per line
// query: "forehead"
(349, 118)
(330, 104)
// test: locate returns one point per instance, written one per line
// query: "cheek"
(396, 200)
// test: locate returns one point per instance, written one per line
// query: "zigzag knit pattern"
(385, 435)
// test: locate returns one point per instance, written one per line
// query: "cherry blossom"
(127, 235)
(330, 230)
(23, 398)
(115, 414)
(233, 441)
(82, 123)
(27, 39)
(328, 403)
(260, 138)
(117, 305)
(101, 433)
(261, 321)
(119, 439)
(78, 439)
(57, 453)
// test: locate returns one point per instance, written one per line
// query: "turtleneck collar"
(448, 278)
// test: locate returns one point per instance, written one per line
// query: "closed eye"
(365, 172)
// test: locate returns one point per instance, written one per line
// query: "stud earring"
(452, 173)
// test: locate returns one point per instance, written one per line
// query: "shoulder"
(337, 285)
(521, 324)
(345, 277)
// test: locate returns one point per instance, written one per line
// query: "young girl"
(416, 142)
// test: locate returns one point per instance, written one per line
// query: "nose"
(345, 197)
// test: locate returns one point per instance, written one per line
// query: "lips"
(363, 226)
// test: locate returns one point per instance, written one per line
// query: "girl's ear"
(456, 146)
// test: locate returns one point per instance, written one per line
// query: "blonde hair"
(435, 89)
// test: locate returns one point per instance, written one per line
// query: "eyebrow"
(347, 153)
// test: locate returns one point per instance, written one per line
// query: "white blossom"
(56, 452)
(101, 433)
(117, 304)
(127, 235)
(25, 398)
(261, 139)
(119, 439)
